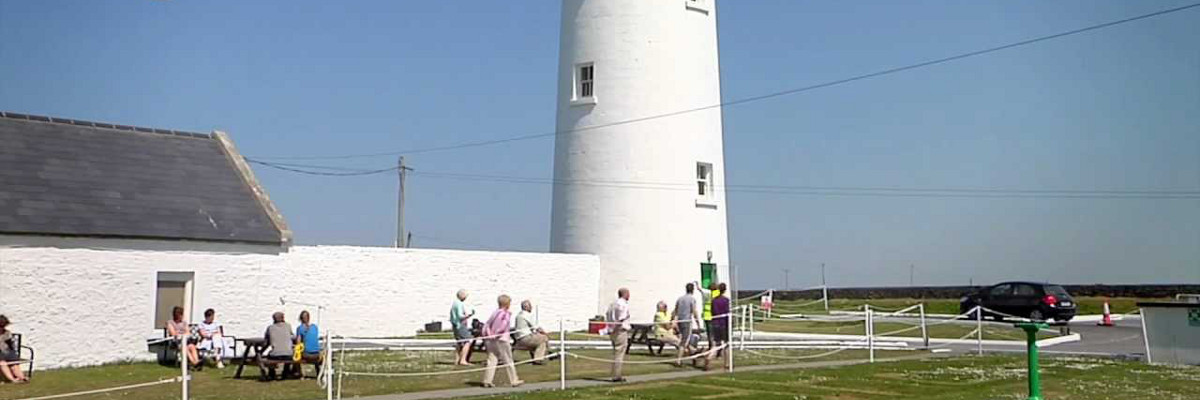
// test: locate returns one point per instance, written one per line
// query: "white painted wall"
(651, 58)
(90, 301)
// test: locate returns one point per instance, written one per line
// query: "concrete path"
(586, 383)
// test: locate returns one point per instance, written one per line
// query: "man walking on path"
(685, 312)
(618, 325)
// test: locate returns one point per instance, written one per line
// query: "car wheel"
(1036, 315)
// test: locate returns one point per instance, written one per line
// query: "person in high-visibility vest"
(711, 293)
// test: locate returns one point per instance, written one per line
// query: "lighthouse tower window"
(704, 180)
(586, 77)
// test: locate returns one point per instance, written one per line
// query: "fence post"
(562, 355)
(342, 371)
(729, 338)
(825, 296)
(328, 365)
(924, 328)
(742, 326)
(1145, 338)
(183, 365)
(979, 329)
(870, 331)
(752, 322)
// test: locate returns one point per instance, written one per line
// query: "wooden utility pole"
(402, 236)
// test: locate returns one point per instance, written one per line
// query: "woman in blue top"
(308, 334)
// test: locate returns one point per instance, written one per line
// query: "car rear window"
(1056, 290)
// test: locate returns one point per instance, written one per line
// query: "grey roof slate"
(79, 178)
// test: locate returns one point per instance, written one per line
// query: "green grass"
(212, 383)
(1086, 305)
(963, 378)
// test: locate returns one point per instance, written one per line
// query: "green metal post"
(1035, 378)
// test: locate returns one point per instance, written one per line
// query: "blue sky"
(1117, 108)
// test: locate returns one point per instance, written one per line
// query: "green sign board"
(708, 274)
(1194, 317)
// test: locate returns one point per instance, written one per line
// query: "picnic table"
(258, 345)
(643, 334)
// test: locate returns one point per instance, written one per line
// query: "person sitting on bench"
(279, 338)
(664, 327)
(10, 355)
(530, 336)
(212, 338)
(309, 335)
(178, 328)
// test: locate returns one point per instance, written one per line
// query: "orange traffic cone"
(1107, 320)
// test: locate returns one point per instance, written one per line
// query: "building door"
(174, 289)
(708, 274)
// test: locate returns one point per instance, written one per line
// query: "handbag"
(298, 352)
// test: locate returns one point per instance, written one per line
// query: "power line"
(292, 168)
(840, 191)
(851, 191)
(749, 99)
(691, 186)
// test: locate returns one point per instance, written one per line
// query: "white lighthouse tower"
(645, 194)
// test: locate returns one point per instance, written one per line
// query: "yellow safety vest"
(708, 304)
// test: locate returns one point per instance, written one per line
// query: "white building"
(643, 194)
(112, 226)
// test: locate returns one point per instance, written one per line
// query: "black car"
(1036, 301)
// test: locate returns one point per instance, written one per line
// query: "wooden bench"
(167, 348)
(21, 348)
(296, 366)
(477, 344)
(643, 334)
(259, 346)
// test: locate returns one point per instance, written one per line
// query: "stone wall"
(91, 301)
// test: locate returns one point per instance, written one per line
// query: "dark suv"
(1036, 301)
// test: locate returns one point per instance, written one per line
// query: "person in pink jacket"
(499, 344)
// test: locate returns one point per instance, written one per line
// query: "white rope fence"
(741, 319)
(108, 390)
(973, 332)
(454, 372)
(182, 379)
(806, 357)
(704, 353)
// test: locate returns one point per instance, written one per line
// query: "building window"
(585, 76)
(173, 289)
(704, 180)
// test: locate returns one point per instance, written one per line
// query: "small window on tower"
(696, 5)
(587, 74)
(704, 180)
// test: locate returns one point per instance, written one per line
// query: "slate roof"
(79, 178)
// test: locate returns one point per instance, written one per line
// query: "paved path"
(585, 383)
(1123, 340)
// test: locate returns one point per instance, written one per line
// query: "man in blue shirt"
(460, 323)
